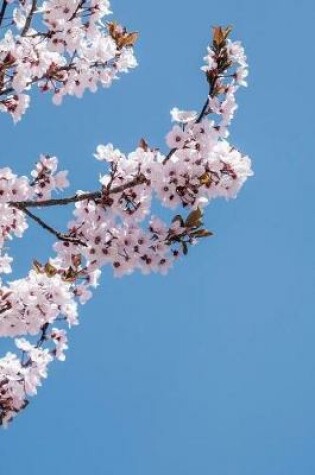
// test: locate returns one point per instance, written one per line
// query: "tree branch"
(29, 18)
(202, 114)
(57, 234)
(205, 108)
(52, 76)
(2, 11)
(94, 196)
(80, 5)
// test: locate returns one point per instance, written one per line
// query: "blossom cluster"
(114, 225)
(64, 47)
(13, 222)
(21, 377)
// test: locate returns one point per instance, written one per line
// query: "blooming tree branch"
(112, 225)
(69, 50)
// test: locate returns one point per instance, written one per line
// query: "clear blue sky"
(211, 370)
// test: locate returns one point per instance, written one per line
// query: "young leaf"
(143, 144)
(50, 270)
(201, 233)
(37, 266)
(206, 180)
(127, 39)
(194, 219)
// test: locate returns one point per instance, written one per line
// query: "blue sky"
(210, 370)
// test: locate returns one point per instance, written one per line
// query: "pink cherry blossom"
(71, 50)
(61, 47)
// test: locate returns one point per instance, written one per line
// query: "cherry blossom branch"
(205, 110)
(45, 77)
(52, 76)
(51, 230)
(46, 58)
(203, 113)
(94, 196)
(114, 226)
(219, 44)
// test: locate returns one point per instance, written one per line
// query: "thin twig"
(3, 9)
(202, 114)
(43, 336)
(80, 5)
(47, 77)
(29, 18)
(93, 196)
(204, 110)
(57, 234)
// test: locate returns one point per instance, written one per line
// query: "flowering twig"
(50, 229)
(93, 196)
(112, 226)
